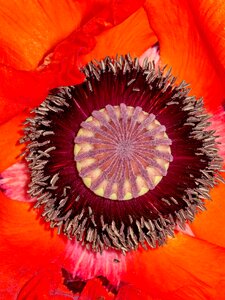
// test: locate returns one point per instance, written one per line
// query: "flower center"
(122, 152)
(126, 133)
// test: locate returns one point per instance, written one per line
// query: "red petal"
(211, 21)
(46, 284)
(30, 29)
(26, 247)
(133, 36)
(123, 9)
(184, 48)
(129, 291)
(21, 89)
(95, 290)
(186, 268)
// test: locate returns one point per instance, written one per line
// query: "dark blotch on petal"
(74, 284)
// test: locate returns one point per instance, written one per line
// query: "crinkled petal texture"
(29, 30)
(54, 57)
(184, 47)
(186, 268)
(211, 18)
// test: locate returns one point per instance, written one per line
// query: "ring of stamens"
(120, 84)
(122, 152)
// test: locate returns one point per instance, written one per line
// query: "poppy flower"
(46, 51)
